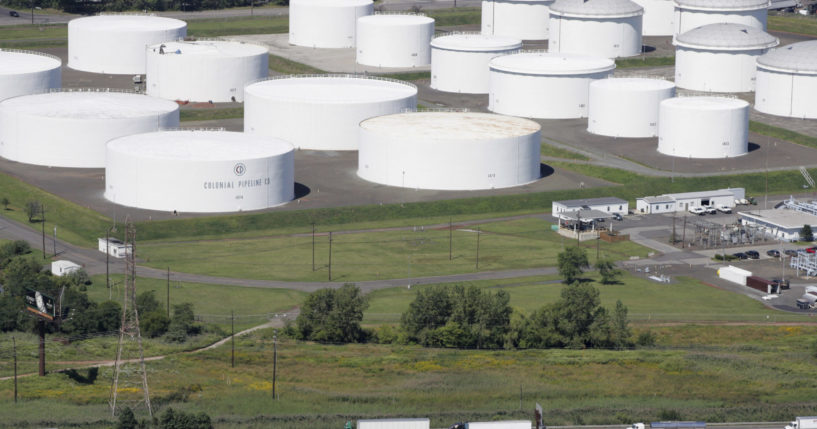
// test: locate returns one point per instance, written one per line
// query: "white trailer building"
(394, 424)
(787, 81)
(519, 19)
(681, 202)
(604, 28)
(28, 72)
(114, 247)
(64, 268)
(734, 274)
(326, 23)
(691, 14)
(608, 205)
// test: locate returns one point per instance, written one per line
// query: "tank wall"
(189, 186)
(111, 52)
(659, 17)
(394, 45)
(786, 94)
(619, 112)
(716, 71)
(69, 142)
(216, 79)
(686, 19)
(610, 38)
(320, 26)
(448, 164)
(693, 133)
(536, 96)
(520, 20)
(315, 126)
(29, 83)
(462, 71)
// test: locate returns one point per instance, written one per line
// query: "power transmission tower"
(129, 368)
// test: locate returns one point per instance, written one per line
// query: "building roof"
(698, 103)
(65, 264)
(783, 218)
(331, 89)
(727, 37)
(658, 200)
(14, 62)
(798, 57)
(703, 194)
(211, 48)
(723, 5)
(591, 202)
(466, 126)
(475, 42)
(550, 64)
(199, 145)
(596, 8)
(90, 104)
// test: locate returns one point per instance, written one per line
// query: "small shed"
(64, 268)
(734, 275)
(114, 247)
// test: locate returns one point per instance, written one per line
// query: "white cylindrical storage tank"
(322, 112)
(449, 150)
(703, 127)
(658, 18)
(28, 72)
(787, 81)
(627, 107)
(544, 85)
(605, 28)
(115, 44)
(519, 19)
(326, 23)
(71, 128)
(394, 40)
(691, 14)
(220, 70)
(459, 62)
(720, 57)
(199, 171)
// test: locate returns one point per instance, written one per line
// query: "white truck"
(723, 208)
(700, 211)
(803, 423)
(636, 426)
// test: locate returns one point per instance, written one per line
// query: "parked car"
(752, 254)
(723, 208)
(740, 255)
(700, 211)
(811, 250)
(711, 210)
(774, 253)
(617, 216)
(790, 252)
(14, 13)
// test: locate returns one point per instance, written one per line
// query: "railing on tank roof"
(24, 51)
(218, 39)
(127, 13)
(117, 90)
(639, 76)
(193, 129)
(332, 75)
(686, 94)
(435, 110)
(399, 12)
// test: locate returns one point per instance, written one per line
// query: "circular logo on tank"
(239, 169)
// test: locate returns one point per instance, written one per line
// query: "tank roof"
(333, 3)
(18, 62)
(723, 5)
(548, 63)
(89, 105)
(634, 84)
(212, 48)
(396, 19)
(475, 42)
(450, 125)
(726, 36)
(706, 103)
(331, 89)
(127, 23)
(199, 145)
(798, 57)
(596, 8)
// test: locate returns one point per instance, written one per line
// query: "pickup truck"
(700, 211)
(723, 208)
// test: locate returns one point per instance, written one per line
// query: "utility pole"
(478, 234)
(274, 362)
(55, 241)
(232, 338)
(578, 228)
(313, 246)
(41, 347)
(450, 248)
(14, 350)
(42, 212)
(684, 233)
(168, 292)
(598, 240)
(330, 256)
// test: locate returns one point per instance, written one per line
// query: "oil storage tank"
(449, 150)
(519, 19)
(703, 127)
(544, 85)
(691, 14)
(627, 107)
(720, 57)
(28, 72)
(605, 28)
(221, 69)
(326, 23)
(459, 61)
(199, 171)
(394, 40)
(787, 81)
(71, 128)
(659, 19)
(322, 112)
(115, 44)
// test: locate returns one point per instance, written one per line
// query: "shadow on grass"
(79, 378)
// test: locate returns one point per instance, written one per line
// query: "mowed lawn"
(525, 243)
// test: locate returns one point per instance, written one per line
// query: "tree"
(172, 419)
(108, 316)
(620, 329)
(181, 324)
(127, 420)
(429, 310)
(155, 324)
(608, 271)
(33, 208)
(806, 234)
(332, 315)
(5, 202)
(146, 302)
(571, 262)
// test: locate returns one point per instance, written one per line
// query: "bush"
(646, 339)
(155, 324)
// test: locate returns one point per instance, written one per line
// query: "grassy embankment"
(782, 134)
(793, 24)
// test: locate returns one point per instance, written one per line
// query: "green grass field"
(526, 243)
(233, 26)
(458, 16)
(26, 36)
(626, 63)
(793, 24)
(782, 134)
(284, 66)
(558, 152)
(186, 115)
